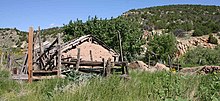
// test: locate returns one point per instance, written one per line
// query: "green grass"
(142, 86)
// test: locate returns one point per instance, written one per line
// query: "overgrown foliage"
(163, 45)
(209, 88)
(212, 39)
(108, 31)
(185, 17)
(201, 56)
(142, 86)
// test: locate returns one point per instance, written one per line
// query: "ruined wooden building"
(86, 54)
(91, 49)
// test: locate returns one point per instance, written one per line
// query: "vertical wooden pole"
(104, 69)
(108, 67)
(123, 68)
(9, 60)
(59, 56)
(30, 54)
(90, 52)
(126, 68)
(119, 36)
(78, 59)
(2, 55)
(40, 43)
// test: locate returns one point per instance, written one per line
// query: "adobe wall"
(98, 52)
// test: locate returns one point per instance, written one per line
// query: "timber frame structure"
(48, 62)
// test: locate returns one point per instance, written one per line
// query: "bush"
(163, 45)
(201, 56)
(209, 90)
(212, 39)
(197, 32)
(201, 30)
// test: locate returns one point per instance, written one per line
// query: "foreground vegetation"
(143, 86)
(201, 56)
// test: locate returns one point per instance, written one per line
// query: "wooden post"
(126, 68)
(40, 43)
(24, 65)
(91, 55)
(104, 69)
(108, 67)
(2, 56)
(123, 68)
(78, 59)
(9, 60)
(59, 56)
(30, 54)
(119, 36)
(90, 52)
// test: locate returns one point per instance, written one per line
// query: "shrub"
(163, 45)
(212, 39)
(197, 32)
(209, 90)
(201, 56)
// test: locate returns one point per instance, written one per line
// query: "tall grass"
(142, 86)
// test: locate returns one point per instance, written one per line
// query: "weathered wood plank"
(78, 59)
(48, 61)
(104, 69)
(30, 55)
(48, 49)
(108, 67)
(91, 58)
(91, 63)
(59, 56)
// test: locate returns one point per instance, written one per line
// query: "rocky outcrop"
(161, 67)
(9, 37)
(140, 65)
(183, 44)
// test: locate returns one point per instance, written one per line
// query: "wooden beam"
(40, 43)
(55, 41)
(90, 52)
(59, 56)
(126, 69)
(51, 58)
(120, 45)
(104, 69)
(91, 63)
(78, 59)
(2, 56)
(30, 55)
(108, 67)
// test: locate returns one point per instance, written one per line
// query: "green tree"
(197, 32)
(108, 31)
(163, 45)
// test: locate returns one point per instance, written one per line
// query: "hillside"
(11, 37)
(184, 21)
(203, 19)
(195, 19)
